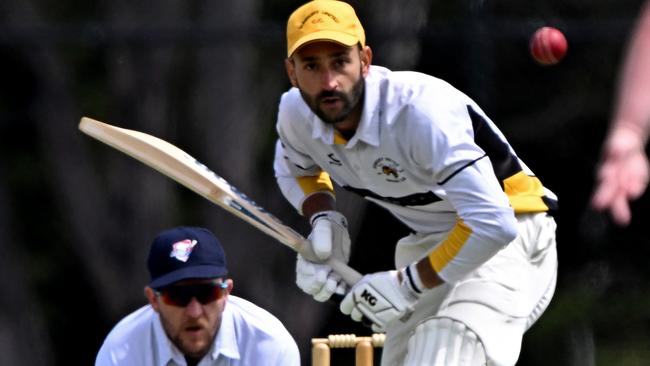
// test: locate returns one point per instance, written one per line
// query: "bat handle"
(349, 275)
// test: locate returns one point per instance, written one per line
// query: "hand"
(380, 297)
(622, 175)
(329, 237)
(318, 280)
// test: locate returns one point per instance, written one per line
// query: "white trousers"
(499, 301)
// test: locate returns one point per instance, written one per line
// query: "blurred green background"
(76, 217)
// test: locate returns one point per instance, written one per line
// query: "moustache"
(329, 94)
(198, 323)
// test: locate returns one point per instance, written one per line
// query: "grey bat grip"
(349, 275)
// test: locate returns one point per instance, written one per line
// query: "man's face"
(193, 327)
(330, 77)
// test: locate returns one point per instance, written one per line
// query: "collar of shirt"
(225, 342)
(165, 349)
(368, 129)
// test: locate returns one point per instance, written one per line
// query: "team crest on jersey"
(390, 169)
(181, 250)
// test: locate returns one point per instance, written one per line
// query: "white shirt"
(249, 335)
(426, 152)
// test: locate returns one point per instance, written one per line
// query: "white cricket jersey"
(423, 150)
(249, 335)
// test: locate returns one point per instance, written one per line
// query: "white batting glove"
(329, 238)
(382, 297)
(318, 280)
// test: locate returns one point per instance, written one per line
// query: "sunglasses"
(181, 295)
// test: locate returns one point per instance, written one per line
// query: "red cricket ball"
(548, 46)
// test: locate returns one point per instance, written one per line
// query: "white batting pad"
(445, 342)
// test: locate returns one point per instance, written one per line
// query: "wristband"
(412, 279)
(331, 215)
(317, 216)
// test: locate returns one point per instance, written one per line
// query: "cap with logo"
(183, 253)
(324, 20)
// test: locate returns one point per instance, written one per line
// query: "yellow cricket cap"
(324, 20)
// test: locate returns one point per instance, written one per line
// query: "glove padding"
(381, 298)
(318, 280)
(329, 238)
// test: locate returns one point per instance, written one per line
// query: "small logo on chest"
(390, 169)
(333, 160)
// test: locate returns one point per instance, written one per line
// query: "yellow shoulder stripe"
(525, 193)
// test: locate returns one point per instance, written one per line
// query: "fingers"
(377, 329)
(348, 307)
(307, 277)
(634, 178)
(603, 194)
(326, 291)
(607, 186)
(622, 178)
(636, 188)
(318, 280)
(321, 239)
(615, 201)
(620, 210)
(347, 304)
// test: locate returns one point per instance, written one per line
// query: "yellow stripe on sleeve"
(449, 248)
(525, 193)
(316, 183)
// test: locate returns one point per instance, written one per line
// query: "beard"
(350, 101)
(191, 348)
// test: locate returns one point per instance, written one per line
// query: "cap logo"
(319, 19)
(181, 250)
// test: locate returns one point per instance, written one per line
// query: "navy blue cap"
(183, 253)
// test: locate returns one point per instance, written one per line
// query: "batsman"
(480, 265)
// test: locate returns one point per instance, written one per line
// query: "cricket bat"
(184, 169)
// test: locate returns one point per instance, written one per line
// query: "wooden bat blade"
(184, 169)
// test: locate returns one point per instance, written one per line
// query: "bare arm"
(623, 171)
(318, 202)
(633, 103)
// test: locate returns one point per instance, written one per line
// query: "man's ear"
(291, 71)
(366, 59)
(151, 297)
(230, 285)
